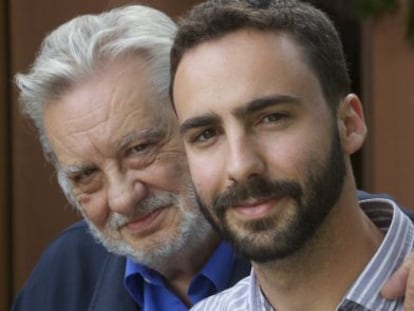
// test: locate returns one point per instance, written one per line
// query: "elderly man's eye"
(84, 176)
(138, 148)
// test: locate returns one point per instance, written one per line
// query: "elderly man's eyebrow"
(74, 169)
(199, 121)
(145, 135)
(264, 102)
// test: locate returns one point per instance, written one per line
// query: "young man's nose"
(244, 160)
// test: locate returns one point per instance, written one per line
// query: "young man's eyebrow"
(200, 121)
(250, 107)
(264, 102)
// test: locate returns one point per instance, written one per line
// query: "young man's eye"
(204, 136)
(274, 117)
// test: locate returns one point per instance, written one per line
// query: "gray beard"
(193, 232)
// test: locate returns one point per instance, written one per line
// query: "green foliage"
(373, 8)
(410, 26)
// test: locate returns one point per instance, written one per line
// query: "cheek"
(95, 208)
(207, 176)
(288, 159)
(179, 170)
(169, 172)
(302, 156)
(280, 148)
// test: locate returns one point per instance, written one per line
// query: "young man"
(262, 94)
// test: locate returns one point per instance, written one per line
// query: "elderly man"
(262, 94)
(98, 94)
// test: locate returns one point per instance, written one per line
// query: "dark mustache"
(258, 188)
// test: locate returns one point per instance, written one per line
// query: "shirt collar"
(396, 246)
(135, 277)
(147, 274)
(218, 270)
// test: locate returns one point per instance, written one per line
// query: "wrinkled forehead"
(119, 99)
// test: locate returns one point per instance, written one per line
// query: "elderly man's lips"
(144, 223)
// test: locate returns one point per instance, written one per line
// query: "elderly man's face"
(117, 143)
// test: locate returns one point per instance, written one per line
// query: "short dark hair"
(307, 25)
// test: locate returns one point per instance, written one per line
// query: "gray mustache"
(143, 208)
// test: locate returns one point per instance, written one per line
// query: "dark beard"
(263, 240)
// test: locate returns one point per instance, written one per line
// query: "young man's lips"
(259, 208)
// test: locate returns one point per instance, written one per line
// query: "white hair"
(75, 49)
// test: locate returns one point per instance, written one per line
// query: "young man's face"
(263, 145)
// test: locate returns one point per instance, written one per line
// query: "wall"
(388, 67)
(5, 238)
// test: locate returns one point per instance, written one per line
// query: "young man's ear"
(351, 123)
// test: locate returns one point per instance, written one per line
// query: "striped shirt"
(364, 294)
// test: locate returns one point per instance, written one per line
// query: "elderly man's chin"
(155, 250)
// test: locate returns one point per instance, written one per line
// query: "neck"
(329, 263)
(185, 265)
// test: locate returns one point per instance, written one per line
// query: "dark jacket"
(75, 273)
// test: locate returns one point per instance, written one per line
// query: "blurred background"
(32, 208)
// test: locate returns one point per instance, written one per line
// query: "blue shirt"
(150, 291)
